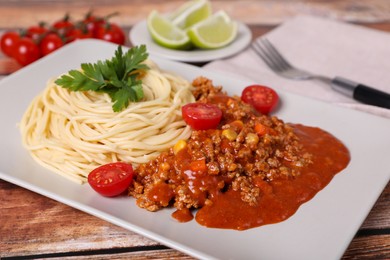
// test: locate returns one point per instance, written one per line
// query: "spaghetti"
(72, 133)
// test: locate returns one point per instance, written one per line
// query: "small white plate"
(321, 229)
(139, 34)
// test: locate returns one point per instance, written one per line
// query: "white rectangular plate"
(321, 229)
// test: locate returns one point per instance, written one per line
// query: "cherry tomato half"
(50, 43)
(262, 98)
(110, 32)
(9, 41)
(111, 179)
(201, 116)
(26, 51)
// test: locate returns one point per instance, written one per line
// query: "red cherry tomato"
(9, 41)
(111, 32)
(50, 43)
(78, 33)
(92, 23)
(111, 179)
(35, 32)
(63, 26)
(26, 51)
(201, 116)
(263, 99)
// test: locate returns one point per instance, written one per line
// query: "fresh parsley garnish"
(119, 77)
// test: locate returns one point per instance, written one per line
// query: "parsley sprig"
(119, 77)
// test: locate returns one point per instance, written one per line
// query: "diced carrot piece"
(198, 165)
(261, 129)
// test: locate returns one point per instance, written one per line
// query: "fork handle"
(362, 93)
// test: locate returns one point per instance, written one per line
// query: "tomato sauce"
(280, 199)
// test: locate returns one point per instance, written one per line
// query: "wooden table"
(33, 226)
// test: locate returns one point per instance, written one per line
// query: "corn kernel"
(252, 139)
(181, 144)
(165, 166)
(237, 125)
(230, 102)
(230, 134)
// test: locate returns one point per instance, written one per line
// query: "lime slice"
(215, 32)
(191, 13)
(165, 33)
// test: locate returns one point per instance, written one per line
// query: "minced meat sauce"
(251, 171)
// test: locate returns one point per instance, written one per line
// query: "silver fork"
(276, 62)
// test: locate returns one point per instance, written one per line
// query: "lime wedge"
(191, 13)
(183, 8)
(215, 32)
(165, 33)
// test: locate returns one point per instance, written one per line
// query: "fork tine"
(283, 63)
(276, 62)
(259, 49)
(271, 55)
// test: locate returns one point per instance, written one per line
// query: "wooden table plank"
(266, 12)
(44, 226)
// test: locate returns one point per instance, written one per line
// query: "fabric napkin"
(322, 46)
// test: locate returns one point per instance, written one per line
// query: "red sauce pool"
(280, 199)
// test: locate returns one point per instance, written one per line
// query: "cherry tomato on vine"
(78, 33)
(50, 43)
(9, 41)
(111, 32)
(262, 98)
(63, 26)
(35, 32)
(111, 179)
(92, 23)
(49, 38)
(201, 116)
(26, 51)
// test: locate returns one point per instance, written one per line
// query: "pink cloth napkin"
(324, 47)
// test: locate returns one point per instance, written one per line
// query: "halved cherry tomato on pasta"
(201, 116)
(262, 98)
(111, 179)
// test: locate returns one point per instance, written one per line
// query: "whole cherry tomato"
(201, 116)
(79, 32)
(93, 23)
(111, 179)
(262, 98)
(63, 26)
(9, 41)
(111, 32)
(50, 43)
(26, 51)
(36, 32)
